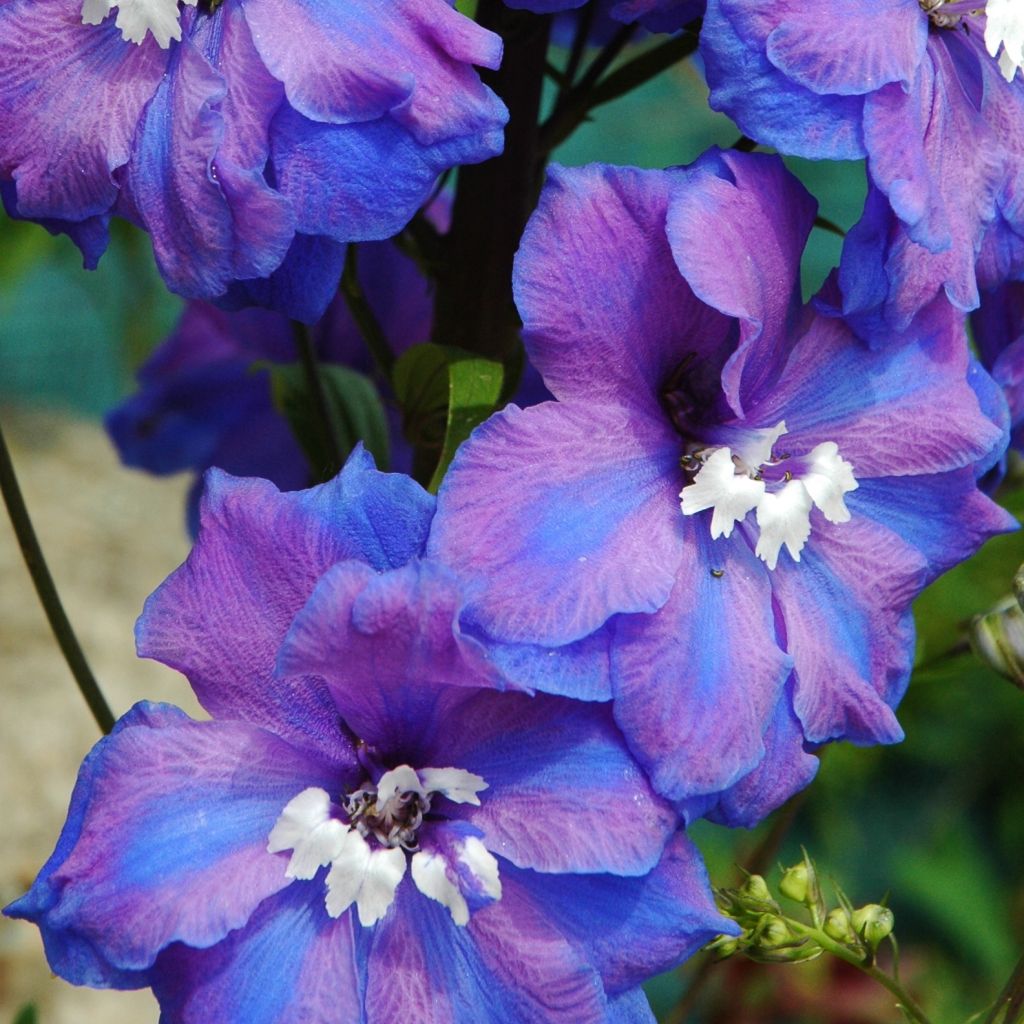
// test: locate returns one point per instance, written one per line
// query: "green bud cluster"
(771, 936)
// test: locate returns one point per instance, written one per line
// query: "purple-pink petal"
(696, 684)
(172, 842)
(562, 515)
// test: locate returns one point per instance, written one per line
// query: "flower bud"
(756, 888)
(837, 926)
(873, 923)
(773, 932)
(796, 882)
(722, 947)
(998, 639)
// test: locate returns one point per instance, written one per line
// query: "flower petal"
(606, 316)
(290, 964)
(70, 99)
(697, 682)
(223, 615)
(559, 516)
(632, 928)
(564, 794)
(171, 844)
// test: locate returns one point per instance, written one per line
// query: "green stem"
(47, 591)
(363, 315)
(318, 396)
(906, 1001)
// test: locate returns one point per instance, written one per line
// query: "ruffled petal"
(633, 928)
(358, 62)
(70, 98)
(728, 199)
(363, 202)
(849, 47)
(167, 839)
(368, 635)
(766, 104)
(559, 516)
(212, 221)
(290, 964)
(606, 316)
(903, 409)
(223, 615)
(696, 683)
(564, 795)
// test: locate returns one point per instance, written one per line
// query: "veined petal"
(171, 845)
(85, 88)
(559, 516)
(290, 964)
(696, 682)
(564, 795)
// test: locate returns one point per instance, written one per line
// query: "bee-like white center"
(367, 841)
(137, 17)
(781, 490)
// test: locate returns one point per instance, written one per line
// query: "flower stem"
(906, 1002)
(364, 317)
(47, 591)
(318, 396)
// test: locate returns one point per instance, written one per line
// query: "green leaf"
(26, 1015)
(474, 392)
(444, 393)
(353, 407)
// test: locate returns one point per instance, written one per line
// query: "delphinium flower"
(732, 493)
(203, 402)
(927, 91)
(655, 15)
(369, 829)
(250, 138)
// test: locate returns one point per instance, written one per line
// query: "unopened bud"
(796, 882)
(722, 947)
(773, 932)
(873, 923)
(756, 888)
(837, 926)
(998, 639)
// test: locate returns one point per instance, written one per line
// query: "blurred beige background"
(110, 536)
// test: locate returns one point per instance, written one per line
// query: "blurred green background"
(937, 822)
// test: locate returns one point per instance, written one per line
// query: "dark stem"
(474, 308)
(369, 327)
(47, 591)
(829, 225)
(584, 19)
(574, 103)
(1009, 1006)
(318, 396)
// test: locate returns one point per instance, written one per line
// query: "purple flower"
(249, 137)
(202, 403)
(731, 494)
(654, 15)
(367, 830)
(914, 87)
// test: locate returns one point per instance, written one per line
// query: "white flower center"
(1004, 28)
(366, 841)
(137, 17)
(781, 492)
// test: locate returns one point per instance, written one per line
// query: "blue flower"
(914, 87)
(251, 138)
(369, 829)
(733, 499)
